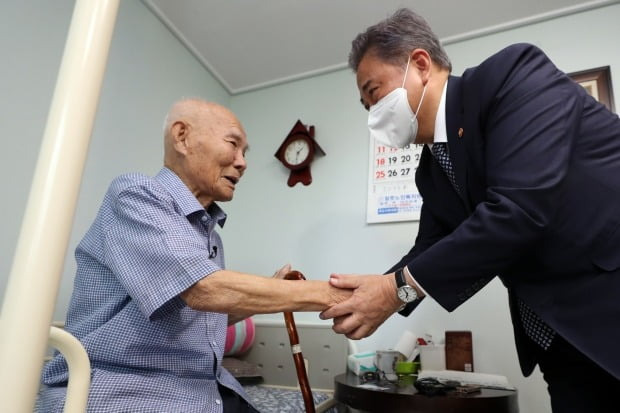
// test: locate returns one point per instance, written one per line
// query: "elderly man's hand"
(374, 299)
(337, 295)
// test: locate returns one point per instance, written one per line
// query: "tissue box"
(360, 363)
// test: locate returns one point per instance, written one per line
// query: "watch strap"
(400, 282)
(400, 278)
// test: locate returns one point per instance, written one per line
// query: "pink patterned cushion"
(239, 337)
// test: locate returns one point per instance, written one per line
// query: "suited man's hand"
(374, 299)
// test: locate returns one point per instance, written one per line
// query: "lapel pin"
(460, 132)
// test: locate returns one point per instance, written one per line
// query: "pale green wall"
(147, 70)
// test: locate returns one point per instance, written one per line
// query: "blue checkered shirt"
(149, 352)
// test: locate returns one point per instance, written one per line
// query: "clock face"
(297, 151)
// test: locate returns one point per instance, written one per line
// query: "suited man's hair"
(395, 37)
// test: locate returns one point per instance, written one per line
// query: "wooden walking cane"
(300, 366)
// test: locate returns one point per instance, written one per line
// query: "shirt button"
(204, 218)
(218, 401)
(214, 343)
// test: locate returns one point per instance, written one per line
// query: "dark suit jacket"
(539, 169)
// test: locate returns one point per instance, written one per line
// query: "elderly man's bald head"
(194, 110)
(205, 144)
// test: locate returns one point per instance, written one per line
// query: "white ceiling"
(249, 44)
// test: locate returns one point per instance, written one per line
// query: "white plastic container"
(433, 357)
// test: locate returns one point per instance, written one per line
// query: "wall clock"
(297, 152)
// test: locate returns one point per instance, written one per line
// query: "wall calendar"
(392, 193)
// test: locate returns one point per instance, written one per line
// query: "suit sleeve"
(528, 115)
(429, 232)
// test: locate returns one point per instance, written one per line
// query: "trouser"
(575, 383)
(233, 403)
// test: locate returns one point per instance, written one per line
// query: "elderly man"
(512, 148)
(152, 299)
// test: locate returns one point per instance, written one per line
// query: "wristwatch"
(405, 292)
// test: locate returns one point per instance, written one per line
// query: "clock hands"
(298, 150)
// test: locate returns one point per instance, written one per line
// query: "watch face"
(407, 294)
(297, 151)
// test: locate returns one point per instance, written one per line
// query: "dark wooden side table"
(407, 399)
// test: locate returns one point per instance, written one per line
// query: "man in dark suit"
(520, 179)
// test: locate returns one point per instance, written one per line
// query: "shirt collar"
(185, 199)
(441, 134)
(217, 214)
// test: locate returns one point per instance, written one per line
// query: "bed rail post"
(37, 265)
(79, 369)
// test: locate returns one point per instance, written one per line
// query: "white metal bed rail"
(79, 369)
(37, 265)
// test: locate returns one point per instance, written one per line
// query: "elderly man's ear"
(179, 132)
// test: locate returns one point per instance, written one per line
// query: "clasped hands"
(374, 299)
(372, 302)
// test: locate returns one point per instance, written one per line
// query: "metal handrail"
(79, 369)
(31, 291)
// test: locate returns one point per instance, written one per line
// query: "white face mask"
(391, 121)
